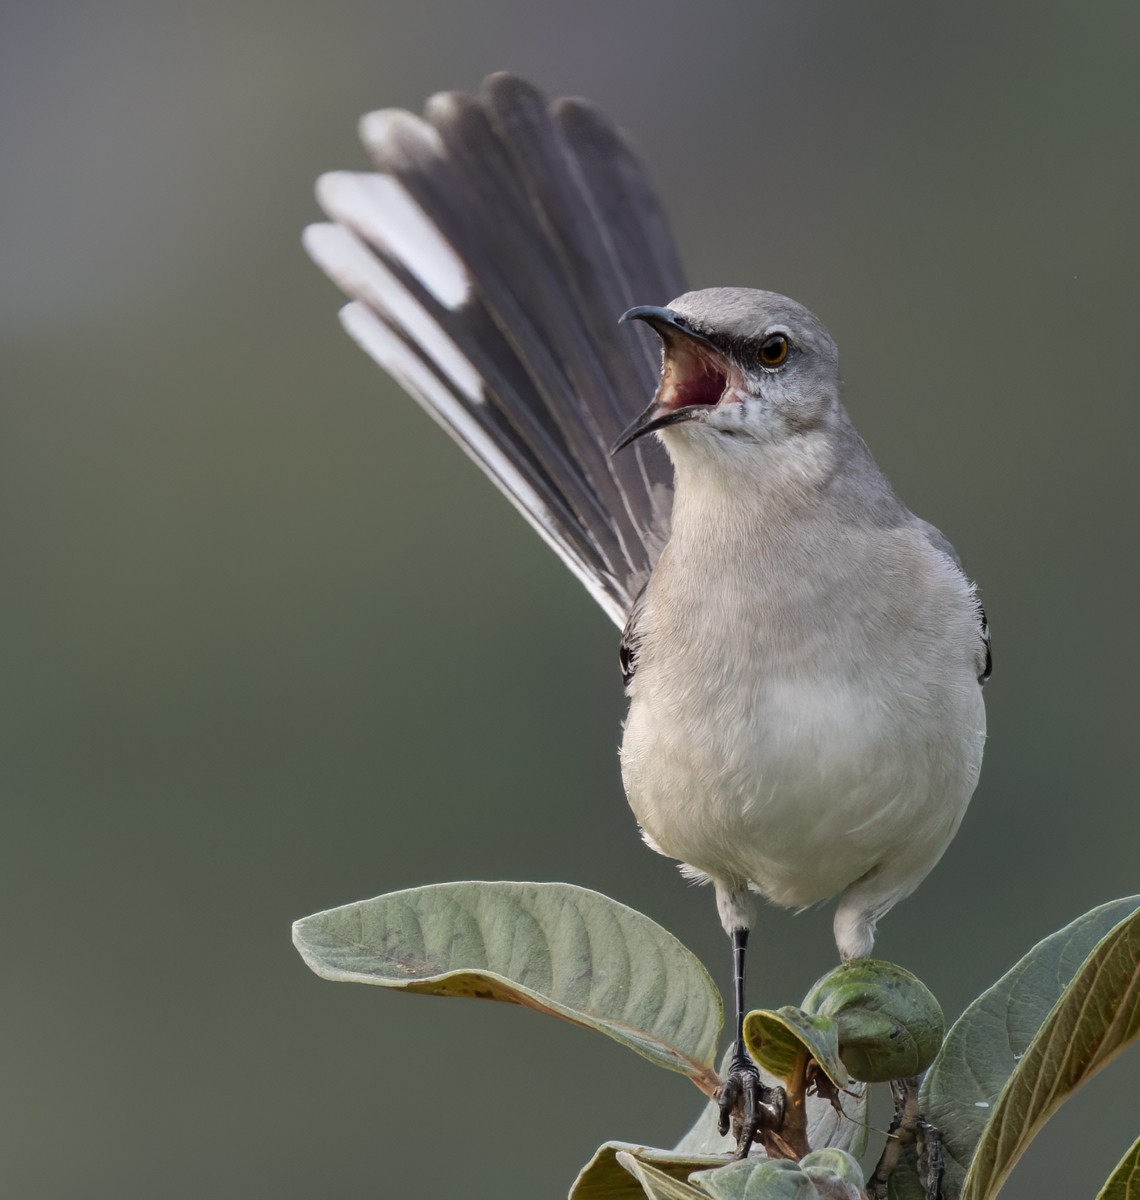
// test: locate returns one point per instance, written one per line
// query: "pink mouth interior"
(691, 378)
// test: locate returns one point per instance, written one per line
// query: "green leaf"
(552, 947)
(835, 1174)
(846, 1130)
(1124, 1182)
(657, 1185)
(757, 1179)
(702, 1148)
(1097, 1016)
(605, 1178)
(985, 1044)
(822, 1175)
(778, 1039)
(704, 1139)
(868, 1020)
(888, 1023)
(904, 1183)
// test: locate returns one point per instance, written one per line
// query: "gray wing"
(630, 636)
(488, 259)
(940, 542)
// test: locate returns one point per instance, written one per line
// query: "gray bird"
(803, 656)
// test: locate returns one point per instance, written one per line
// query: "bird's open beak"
(694, 374)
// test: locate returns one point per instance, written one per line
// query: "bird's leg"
(931, 1166)
(742, 1084)
(908, 1127)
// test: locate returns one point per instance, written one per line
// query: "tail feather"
(627, 208)
(485, 215)
(488, 262)
(498, 389)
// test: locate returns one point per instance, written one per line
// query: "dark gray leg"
(742, 1082)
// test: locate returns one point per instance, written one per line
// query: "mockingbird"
(803, 656)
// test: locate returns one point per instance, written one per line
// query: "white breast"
(801, 724)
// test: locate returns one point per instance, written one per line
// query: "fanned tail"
(488, 261)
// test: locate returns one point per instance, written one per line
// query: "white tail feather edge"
(405, 366)
(381, 210)
(348, 261)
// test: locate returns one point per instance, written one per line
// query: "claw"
(742, 1090)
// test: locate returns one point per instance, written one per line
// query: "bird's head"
(742, 372)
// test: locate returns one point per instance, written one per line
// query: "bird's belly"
(798, 787)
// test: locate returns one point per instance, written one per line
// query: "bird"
(803, 657)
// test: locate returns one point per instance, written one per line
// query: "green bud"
(888, 1024)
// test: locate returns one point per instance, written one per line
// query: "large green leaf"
(821, 1175)
(762, 1179)
(657, 1185)
(604, 1177)
(1097, 1016)
(1124, 1182)
(549, 946)
(986, 1043)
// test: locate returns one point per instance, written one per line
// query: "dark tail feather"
(488, 263)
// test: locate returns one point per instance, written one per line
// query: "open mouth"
(694, 378)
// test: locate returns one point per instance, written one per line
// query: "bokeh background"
(271, 644)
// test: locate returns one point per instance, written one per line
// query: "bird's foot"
(745, 1103)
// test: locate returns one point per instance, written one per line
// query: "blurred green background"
(272, 645)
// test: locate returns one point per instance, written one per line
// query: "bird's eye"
(774, 350)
